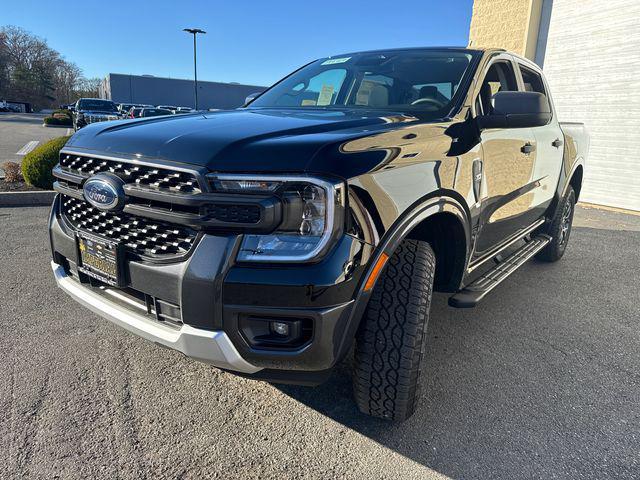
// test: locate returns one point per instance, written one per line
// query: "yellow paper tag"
(326, 94)
(308, 103)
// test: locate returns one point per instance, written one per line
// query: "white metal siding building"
(590, 53)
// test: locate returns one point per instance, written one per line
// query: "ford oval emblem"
(104, 191)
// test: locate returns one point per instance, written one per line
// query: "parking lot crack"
(31, 425)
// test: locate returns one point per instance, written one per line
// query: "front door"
(509, 159)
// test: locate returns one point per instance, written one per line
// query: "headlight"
(312, 215)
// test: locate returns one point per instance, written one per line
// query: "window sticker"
(334, 61)
(326, 94)
(308, 103)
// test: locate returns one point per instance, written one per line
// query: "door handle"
(527, 148)
(557, 143)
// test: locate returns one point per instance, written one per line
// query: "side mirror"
(250, 98)
(517, 110)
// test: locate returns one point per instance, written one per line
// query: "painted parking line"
(28, 147)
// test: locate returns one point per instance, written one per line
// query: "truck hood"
(254, 140)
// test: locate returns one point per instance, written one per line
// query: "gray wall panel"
(172, 91)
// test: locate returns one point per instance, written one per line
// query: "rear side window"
(532, 81)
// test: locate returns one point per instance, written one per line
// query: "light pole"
(194, 31)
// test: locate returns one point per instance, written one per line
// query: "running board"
(469, 296)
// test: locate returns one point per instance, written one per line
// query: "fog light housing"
(280, 328)
(275, 332)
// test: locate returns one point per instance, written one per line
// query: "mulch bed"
(17, 187)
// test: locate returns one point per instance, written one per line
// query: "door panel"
(509, 185)
(549, 158)
(509, 181)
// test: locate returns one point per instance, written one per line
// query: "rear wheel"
(391, 341)
(559, 229)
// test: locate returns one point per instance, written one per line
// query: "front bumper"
(204, 345)
(214, 295)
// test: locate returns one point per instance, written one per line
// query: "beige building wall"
(509, 24)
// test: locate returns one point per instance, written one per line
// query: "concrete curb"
(57, 126)
(26, 199)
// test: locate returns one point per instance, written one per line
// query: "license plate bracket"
(101, 259)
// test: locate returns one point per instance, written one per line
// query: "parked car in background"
(134, 112)
(153, 112)
(123, 108)
(173, 108)
(275, 239)
(91, 110)
(184, 110)
(8, 107)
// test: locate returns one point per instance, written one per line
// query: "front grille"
(99, 118)
(143, 176)
(140, 236)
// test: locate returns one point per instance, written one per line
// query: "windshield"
(102, 105)
(407, 81)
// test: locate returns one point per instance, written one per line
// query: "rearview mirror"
(517, 110)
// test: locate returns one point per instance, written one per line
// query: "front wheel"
(559, 229)
(391, 341)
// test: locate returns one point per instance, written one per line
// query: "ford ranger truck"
(273, 239)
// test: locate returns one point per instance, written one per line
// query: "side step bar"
(469, 296)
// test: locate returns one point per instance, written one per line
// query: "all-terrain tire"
(559, 229)
(391, 341)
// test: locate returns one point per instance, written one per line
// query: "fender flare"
(563, 184)
(422, 210)
(577, 164)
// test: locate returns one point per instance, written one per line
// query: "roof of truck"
(404, 49)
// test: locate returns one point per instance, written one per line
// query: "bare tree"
(68, 78)
(88, 87)
(31, 71)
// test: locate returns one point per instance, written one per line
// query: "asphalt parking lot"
(539, 381)
(18, 130)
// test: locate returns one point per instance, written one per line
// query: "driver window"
(500, 78)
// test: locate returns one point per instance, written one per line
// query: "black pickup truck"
(91, 110)
(271, 240)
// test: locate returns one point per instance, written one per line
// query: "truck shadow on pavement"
(537, 381)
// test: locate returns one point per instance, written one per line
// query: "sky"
(252, 42)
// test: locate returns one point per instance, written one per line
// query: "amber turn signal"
(375, 272)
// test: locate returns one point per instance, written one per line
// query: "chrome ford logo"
(104, 191)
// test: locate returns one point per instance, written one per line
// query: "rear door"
(508, 164)
(549, 144)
